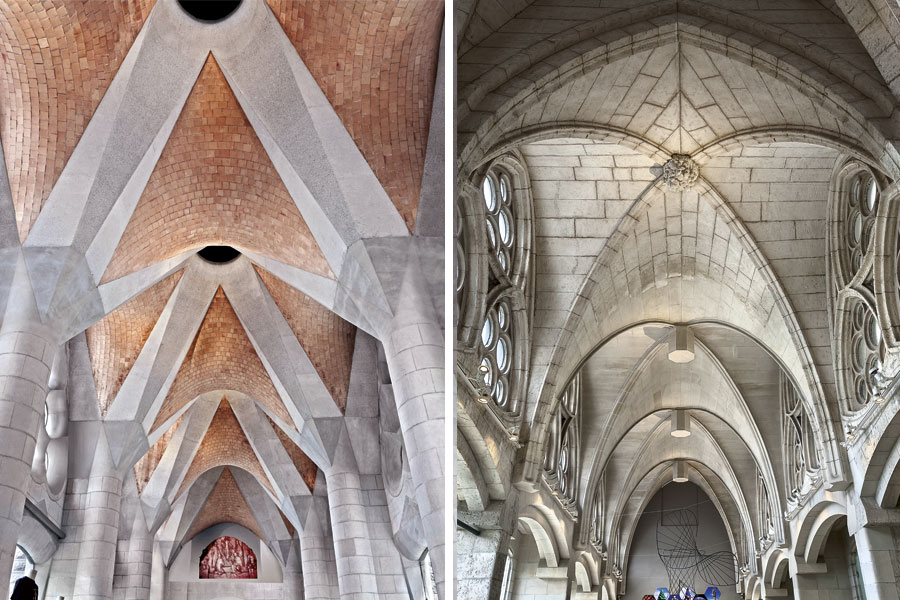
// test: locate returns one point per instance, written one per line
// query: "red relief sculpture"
(227, 558)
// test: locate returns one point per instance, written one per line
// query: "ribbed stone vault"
(779, 108)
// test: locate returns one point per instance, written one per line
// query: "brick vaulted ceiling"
(145, 467)
(57, 57)
(305, 466)
(214, 185)
(327, 338)
(116, 340)
(376, 62)
(224, 444)
(221, 357)
(225, 503)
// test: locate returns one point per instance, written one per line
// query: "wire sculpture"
(676, 543)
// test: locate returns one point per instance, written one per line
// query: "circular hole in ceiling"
(218, 254)
(210, 11)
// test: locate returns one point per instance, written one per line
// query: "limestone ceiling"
(613, 66)
(629, 383)
(510, 27)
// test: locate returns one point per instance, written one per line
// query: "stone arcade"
(221, 257)
(677, 298)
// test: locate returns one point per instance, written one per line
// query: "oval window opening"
(210, 11)
(218, 254)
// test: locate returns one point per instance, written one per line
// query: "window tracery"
(561, 451)
(497, 343)
(802, 472)
(497, 194)
(492, 245)
(460, 263)
(764, 523)
(862, 269)
(596, 525)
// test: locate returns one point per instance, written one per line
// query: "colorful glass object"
(649, 597)
(713, 593)
(662, 593)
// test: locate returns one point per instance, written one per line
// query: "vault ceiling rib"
(225, 504)
(224, 443)
(337, 41)
(115, 341)
(146, 466)
(147, 383)
(285, 360)
(221, 357)
(304, 465)
(326, 338)
(275, 461)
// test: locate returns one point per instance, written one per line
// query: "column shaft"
(99, 532)
(134, 561)
(26, 354)
(878, 559)
(352, 547)
(415, 358)
(320, 580)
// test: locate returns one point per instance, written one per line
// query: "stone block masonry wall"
(479, 566)
(414, 350)
(317, 559)
(528, 586)
(215, 590)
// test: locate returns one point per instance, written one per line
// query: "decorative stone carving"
(680, 172)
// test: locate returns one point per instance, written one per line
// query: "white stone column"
(157, 575)
(414, 350)
(134, 560)
(320, 579)
(352, 546)
(99, 530)
(294, 584)
(27, 349)
(878, 559)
